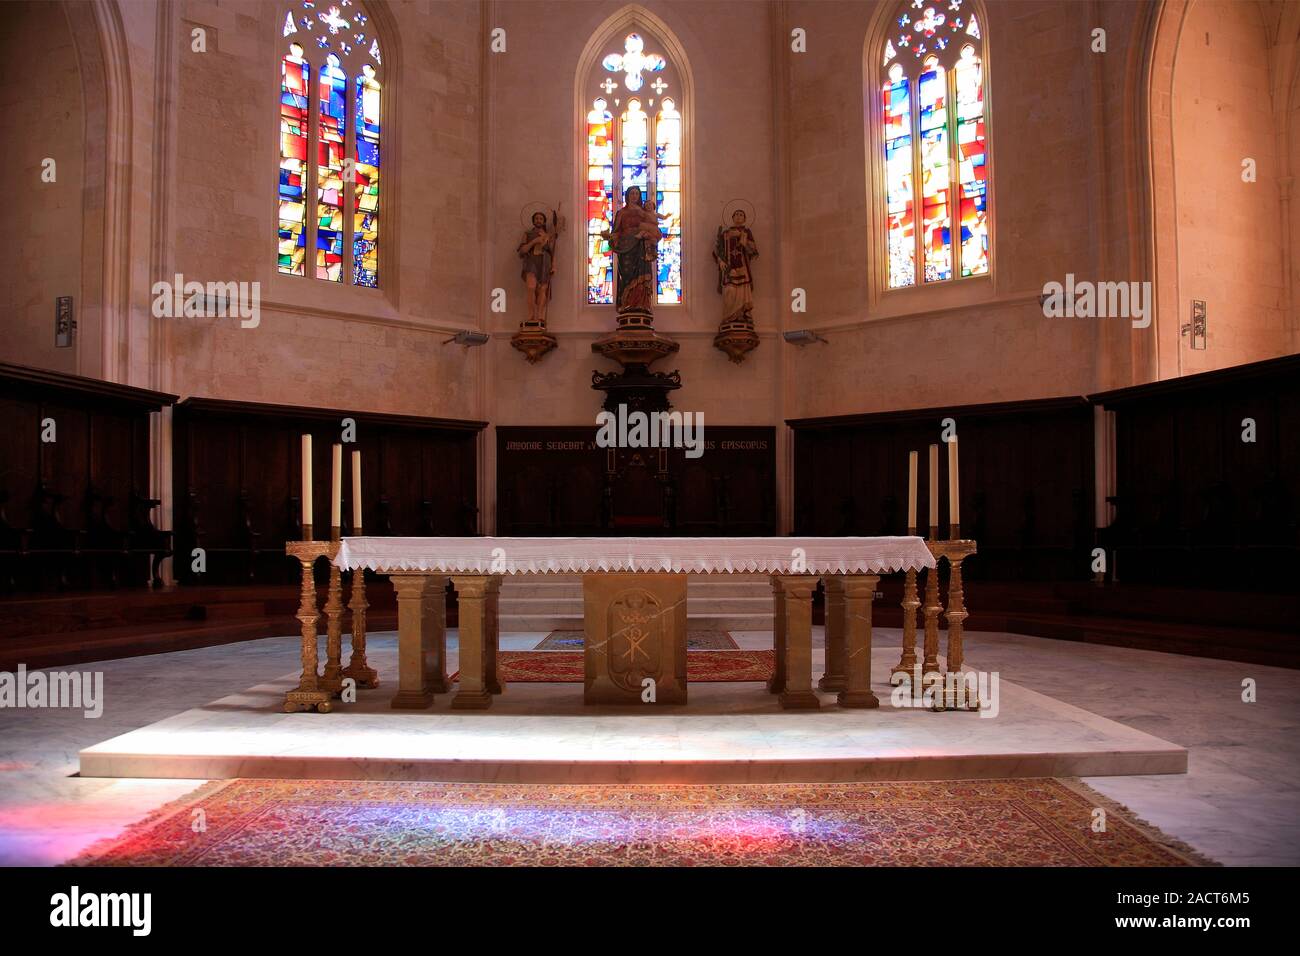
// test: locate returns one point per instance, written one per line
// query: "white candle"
(306, 481)
(911, 491)
(336, 488)
(954, 507)
(356, 491)
(934, 486)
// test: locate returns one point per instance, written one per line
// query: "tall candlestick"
(336, 489)
(934, 488)
(356, 492)
(954, 505)
(911, 492)
(306, 487)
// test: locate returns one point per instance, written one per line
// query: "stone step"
(702, 587)
(554, 603)
(573, 622)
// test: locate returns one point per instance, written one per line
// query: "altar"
(634, 611)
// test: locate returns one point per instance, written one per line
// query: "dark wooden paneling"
(555, 480)
(1196, 505)
(75, 511)
(238, 486)
(1026, 481)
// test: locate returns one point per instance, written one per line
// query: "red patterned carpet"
(1023, 822)
(565, 667)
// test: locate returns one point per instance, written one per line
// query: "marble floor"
(1238, 803)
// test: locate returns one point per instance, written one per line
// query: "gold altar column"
(956, 613)
(308, 694)
(956, 551)
(473, 597)
(331, 678)
(907, 663)
(777, 683)
(359, 668)
(421, 639)
(797, 592)
(858, 591)
(932, 608)
(833, 677)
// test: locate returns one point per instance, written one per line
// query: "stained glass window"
(365, 229)
(600, 203)
(668, 199)
(973, 172)
(897, 111)
(336, 38)
(933, 131)
(634, 140)
(329, 171)
(295, 77)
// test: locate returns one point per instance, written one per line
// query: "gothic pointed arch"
(926, 79)
(633, 120)
(332, 190)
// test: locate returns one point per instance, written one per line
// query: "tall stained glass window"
(336, 120)
(600, 201)
(935, 145)
(295, 75)
(633, 126)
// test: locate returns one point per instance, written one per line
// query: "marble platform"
(542, 733)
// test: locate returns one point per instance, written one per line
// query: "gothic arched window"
(329, 109)
(933, 120)
(633, 122)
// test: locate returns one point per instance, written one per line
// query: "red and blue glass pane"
(668, 201)
(365, 227)
(329, 171)
(936, 234)
(973, 169)
(898, 183)
(600, 205)
(295, 75)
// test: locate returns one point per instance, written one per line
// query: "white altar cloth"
(484, 555)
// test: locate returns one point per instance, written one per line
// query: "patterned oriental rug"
(1020, 822)
(695, 641)
(565, 667)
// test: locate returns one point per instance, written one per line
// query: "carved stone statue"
(537, 250)
(537, 253)
(734, 252)
(634, 237)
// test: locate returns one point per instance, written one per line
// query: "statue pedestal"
(635, 345)
(737, 338)
(533, 340)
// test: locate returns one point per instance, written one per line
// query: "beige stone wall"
(973, 340)
(320, 344)
(40, 117)
(1230, 232)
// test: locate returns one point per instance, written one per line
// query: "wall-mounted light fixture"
(1196, 327)
(467, 338)
(803, 337)
(65, 322)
